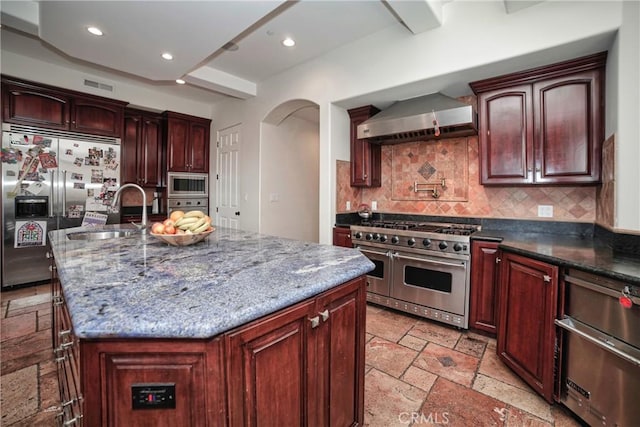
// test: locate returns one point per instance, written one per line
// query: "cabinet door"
(484, 284)
(199, 150)
(130, 143)
(270, 364)
(177, 145)
(95, 117)
(569, 129)
(31, 106)
(366, 159)
(341, 343)
(526, 332)
(506, 136)
(342, 237)
(150, 150)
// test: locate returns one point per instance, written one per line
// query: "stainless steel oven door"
(378, 280)
(440, 283)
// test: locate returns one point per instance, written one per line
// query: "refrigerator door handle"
(52, 175)
(64, 194)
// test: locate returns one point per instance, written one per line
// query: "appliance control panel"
(153, 396)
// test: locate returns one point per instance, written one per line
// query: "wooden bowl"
(183, 239)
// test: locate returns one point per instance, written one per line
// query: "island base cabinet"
(303, 366)
(526, 332)
(112, 369)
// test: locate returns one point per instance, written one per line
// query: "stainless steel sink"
(101, 234)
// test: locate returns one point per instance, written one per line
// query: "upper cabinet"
(142, 152)
(543, 126)
(32, 104)
(366, 161)
(187, 143)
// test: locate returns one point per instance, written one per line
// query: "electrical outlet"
(545, 211)
(274, 197)
(374, 205)
(348, 205)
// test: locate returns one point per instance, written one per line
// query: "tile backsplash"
(402, 164)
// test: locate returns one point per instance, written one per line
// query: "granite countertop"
(141, 287)
(585, 253)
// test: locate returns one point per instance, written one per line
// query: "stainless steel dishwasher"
(600, 358)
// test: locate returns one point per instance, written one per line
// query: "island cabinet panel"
(35, 104)
(526, 332)
(187, 143)
(366, 158)
(543, 126)
(303, 366)
(484, 284)
(112, 368)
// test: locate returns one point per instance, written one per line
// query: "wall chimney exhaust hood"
(433, 116)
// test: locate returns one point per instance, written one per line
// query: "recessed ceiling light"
(95, 31)
(288, 42)
(167, 56)
(180, 81)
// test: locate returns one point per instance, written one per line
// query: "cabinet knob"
(498, 260)
(546, 278)
(324, 315)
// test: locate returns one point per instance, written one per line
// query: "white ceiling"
(136, 33)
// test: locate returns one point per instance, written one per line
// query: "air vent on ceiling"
(98, 85)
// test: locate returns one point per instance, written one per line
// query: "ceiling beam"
(418, 16)
(219, 81)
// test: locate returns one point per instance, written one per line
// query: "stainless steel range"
(421, 268)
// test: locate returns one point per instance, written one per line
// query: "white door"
(228, 207)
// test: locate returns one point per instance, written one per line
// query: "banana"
(202, 228)
(197, 214)
(197, 224)
(185, 221)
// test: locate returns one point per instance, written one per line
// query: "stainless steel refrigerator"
(51, 180)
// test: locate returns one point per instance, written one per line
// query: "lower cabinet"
(484, 282)
(342, 237)
(528, 304)
(302, 366)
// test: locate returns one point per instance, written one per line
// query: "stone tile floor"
(418, 372)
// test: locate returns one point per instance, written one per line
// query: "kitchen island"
(239, 329)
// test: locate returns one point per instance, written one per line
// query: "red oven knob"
(625, 302)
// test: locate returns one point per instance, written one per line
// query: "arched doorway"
(289, 171)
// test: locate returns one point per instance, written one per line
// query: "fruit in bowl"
(182, 229)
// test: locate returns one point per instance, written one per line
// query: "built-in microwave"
(184, 184)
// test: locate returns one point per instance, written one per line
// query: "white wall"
(623, 112)
(289, 167)
(474, 34)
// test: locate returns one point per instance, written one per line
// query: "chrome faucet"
(143, 226)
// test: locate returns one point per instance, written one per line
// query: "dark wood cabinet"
(303, 366)
(543, 126)
(33, 104)
(342, 237)
(484, 284)
(528, 301)
(142, 150)
(366, 160)
(187, 143)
